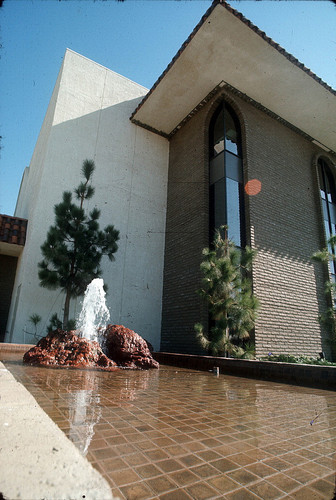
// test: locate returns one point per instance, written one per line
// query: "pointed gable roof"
(225, 49)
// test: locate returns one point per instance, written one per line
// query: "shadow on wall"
(130, 184)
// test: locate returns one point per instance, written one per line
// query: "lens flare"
(253, 187)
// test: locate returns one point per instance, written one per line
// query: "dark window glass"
(226, 175)
(218, 134)
(219, 195)
(231, 134)
(217, 168)
(233, 211)
(322, 186)
(330, 185)
(233, 167)
(328, 195)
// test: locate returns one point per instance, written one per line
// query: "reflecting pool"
(175, 434)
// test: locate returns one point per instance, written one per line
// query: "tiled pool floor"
(175, 434)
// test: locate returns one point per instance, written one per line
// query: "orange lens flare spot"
(253, 187)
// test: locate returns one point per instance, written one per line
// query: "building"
(235, 130)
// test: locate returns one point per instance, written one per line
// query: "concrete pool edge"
(322, 377)
(7, 347)
(37, 460)
(318, 376)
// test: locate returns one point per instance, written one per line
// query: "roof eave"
(147, 112)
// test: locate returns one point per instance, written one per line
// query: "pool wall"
(15, 347)
(323, 377)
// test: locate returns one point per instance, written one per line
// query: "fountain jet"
(94, 314)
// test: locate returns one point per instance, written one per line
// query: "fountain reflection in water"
(94, 314)
(84, 413)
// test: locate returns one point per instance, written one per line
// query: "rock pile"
(69, 350)
(122, 348)
(127, 348)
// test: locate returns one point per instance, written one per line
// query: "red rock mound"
(69, 350)
(127, 348)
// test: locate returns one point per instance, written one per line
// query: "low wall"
(7, 347)
(15, 347)
(323, 377)
(37, 459)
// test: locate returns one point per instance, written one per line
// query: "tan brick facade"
(284, 223)
(186, 235)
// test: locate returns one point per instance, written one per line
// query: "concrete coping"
(7, 347)
(37, 460)
(323, 377)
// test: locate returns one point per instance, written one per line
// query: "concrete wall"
(284, 223)
(88, 117)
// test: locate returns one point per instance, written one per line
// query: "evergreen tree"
(227, 289)
(74, 246)
(328, 318)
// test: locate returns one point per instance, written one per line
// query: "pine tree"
(74, 246)
(227, 289)
(328, 317)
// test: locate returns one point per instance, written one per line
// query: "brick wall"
(7, 277)
(284, 223)
(186, 235)
(287, 226)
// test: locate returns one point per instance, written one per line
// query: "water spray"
(94, 314)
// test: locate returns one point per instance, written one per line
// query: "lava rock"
(127, 348)
(149, 345)
(67, 349)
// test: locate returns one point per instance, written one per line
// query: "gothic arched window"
(226, 175)
(328, 196)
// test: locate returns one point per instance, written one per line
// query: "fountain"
(93, 344)
(94, 314)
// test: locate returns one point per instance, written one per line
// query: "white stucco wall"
(88, 117)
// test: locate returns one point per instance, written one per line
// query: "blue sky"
(136, 39)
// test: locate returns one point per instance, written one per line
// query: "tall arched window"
(328, 195)
(226, 175)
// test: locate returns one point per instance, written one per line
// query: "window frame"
(327, 178)
(227, 110)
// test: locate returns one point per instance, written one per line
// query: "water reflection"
(147, 421)
(84, 412)
(74, 398)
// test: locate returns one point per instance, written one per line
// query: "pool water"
(175, 434)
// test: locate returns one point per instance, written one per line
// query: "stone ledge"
(15, 347)
(36, 458)
(323, 377)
